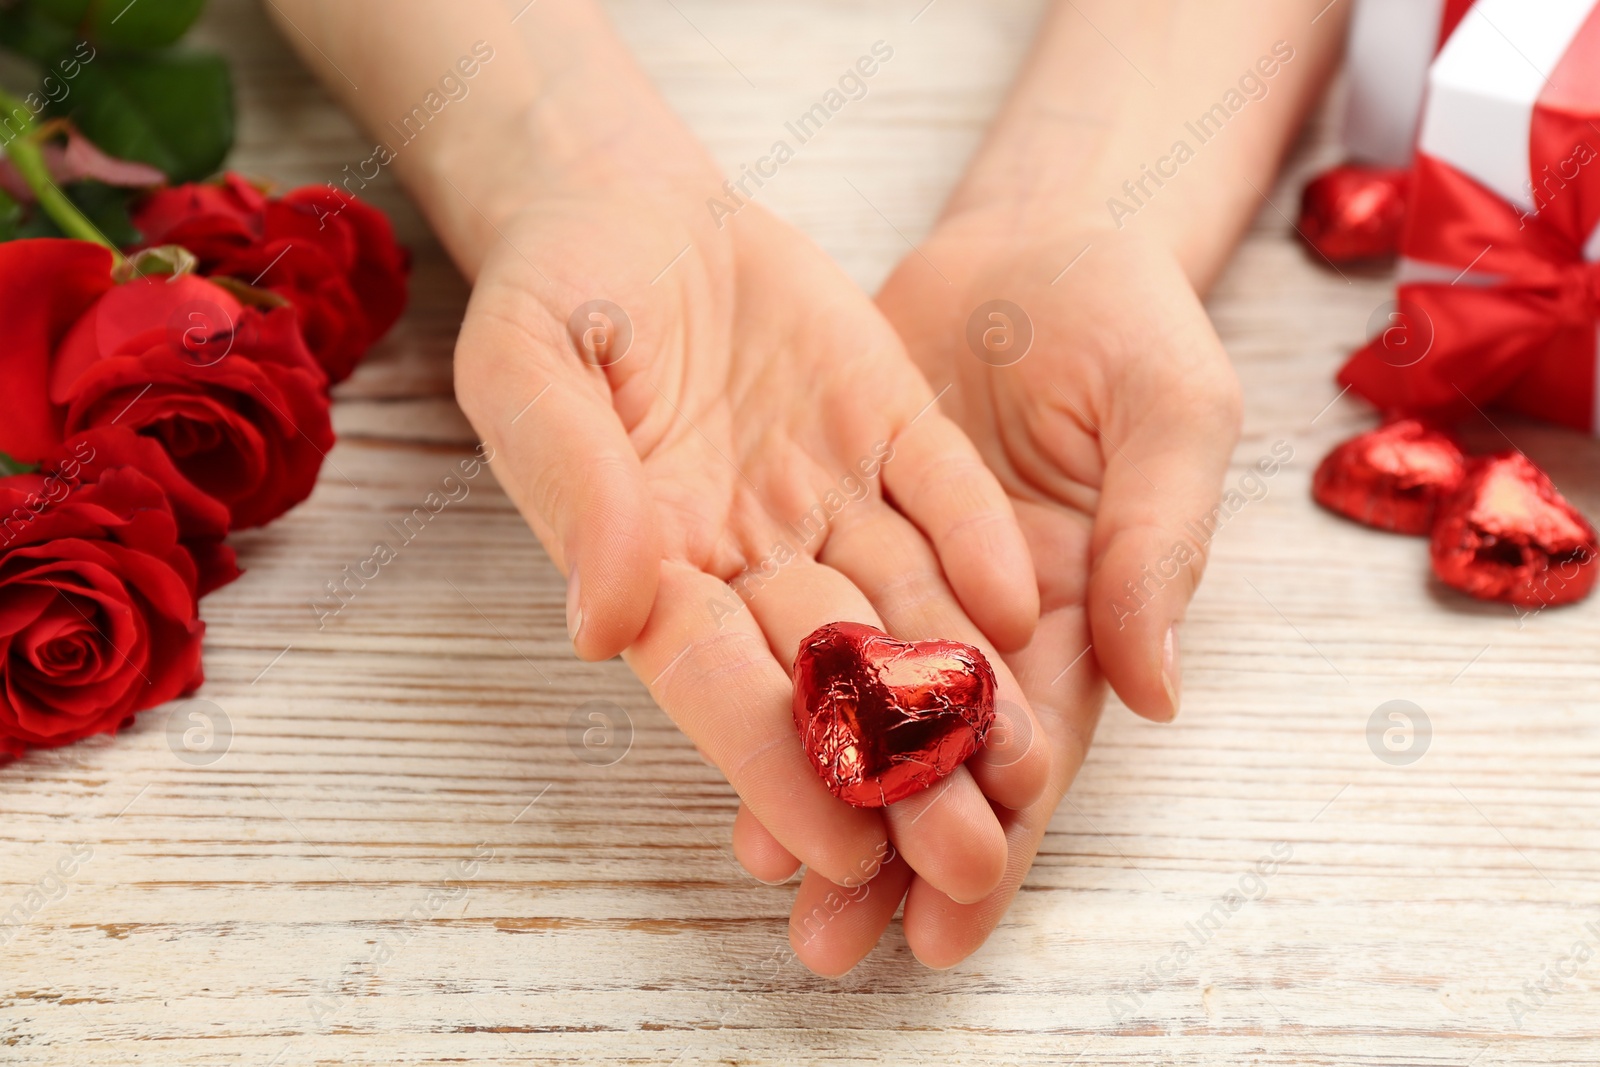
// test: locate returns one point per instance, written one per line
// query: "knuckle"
(918, 596)
(724, 665)
(957, 483)
(976, 530)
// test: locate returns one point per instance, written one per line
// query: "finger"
(942, 932)
(831, 929)
(759, 852)
(1166, 451)
(951, 837)
(948, 833)
(800, 598)
(712, 673)
(885, 556)
(965, 855)
(937, 479)
(565, 460)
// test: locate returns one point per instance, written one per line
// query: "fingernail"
(574, 609)
(774, 881)
(1171, 672)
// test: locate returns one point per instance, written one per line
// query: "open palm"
(758, 458)
(1109, 434)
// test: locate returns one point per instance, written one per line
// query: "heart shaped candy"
(882, 719)
(1352, 212)
(1508, 534)
(1392, 477)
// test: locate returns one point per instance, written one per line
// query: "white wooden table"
(398, 858)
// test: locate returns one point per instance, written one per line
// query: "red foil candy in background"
(1508, 534)
(882, 719)
(1353, 213)
(1393, 477)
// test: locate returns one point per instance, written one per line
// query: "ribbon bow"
(1502, 306)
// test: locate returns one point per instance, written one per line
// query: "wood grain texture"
(400, 860)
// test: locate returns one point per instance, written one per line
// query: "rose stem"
(24, 152)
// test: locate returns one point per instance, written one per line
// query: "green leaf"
(104, 206)
(140, 24)
(126, 25)
(29, 34)
(68, 13)
(173, 110)
(9, 466)
(107, 208)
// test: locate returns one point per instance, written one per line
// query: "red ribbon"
(1454, 12)
(1518, 327)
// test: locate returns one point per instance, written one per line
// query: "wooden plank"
(303, 899)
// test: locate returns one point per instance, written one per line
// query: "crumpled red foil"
(1508, 534)
(1393, 477)
(883, 719)
(1353, 213)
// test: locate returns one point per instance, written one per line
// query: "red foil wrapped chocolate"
(1393, 477)
(1353, 213)
(883, 719)
(1508, 534)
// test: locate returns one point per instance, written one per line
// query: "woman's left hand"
(1110, 430)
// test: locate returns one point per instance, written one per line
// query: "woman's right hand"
(739, 411)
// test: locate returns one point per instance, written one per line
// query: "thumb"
(565, 460)
(1165, 460)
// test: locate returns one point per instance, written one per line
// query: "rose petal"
(20, 607)
(46, 285)
(132, 318)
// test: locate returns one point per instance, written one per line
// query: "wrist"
(1087, 137)
(1123, 196)
(999, 227)
(472, 182)
(558, 108)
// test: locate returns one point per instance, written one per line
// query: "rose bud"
(332, 257)
(229, 391)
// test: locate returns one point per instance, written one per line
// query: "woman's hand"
(1113, 432)
(763, 426)
(1110, 435)
(680, 399)
(757, 381)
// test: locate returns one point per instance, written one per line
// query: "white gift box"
(1391, 43)
(1482, 91)
(1506, 200)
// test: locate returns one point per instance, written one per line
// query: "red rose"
(45, 286)
(211, 220)
(331, 256)
(97, 606)
(230, 391)
(202, 519)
